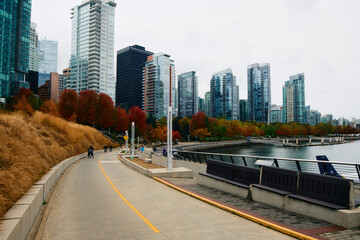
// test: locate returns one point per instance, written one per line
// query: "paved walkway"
(107, 200)
(293, 221)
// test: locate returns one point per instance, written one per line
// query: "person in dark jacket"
(91, 152)
(105, 148)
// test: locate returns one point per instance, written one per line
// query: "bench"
(278, 180)
(328, 191)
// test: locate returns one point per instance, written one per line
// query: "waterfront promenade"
(101, 198)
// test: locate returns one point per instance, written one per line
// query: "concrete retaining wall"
(17, 222)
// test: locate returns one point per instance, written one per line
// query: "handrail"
(345, 169)
(272, 158)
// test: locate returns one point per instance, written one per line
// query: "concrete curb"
(18, 221)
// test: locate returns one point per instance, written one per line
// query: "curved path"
(101, 198)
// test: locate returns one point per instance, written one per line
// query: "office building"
(48, 56)
(294, 99)
(223, 95)
(259, 92)
(315, 117)
(188, 99)
(158, 82)
(327, 118)
(243, 116)
(207, 104)
(44, 91)
(129, 69)
(276, 114)
(33, 79)
(34, 45)
(92, 47)
(15, 19)
(307, 114)
(201, 105)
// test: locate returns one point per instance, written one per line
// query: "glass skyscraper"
(158, 81)
(48, 56)
(130, 63)
(188, 100)
(15, 21)
(259, 92)
(207, 103)
(276, 114)
(92, 47)
(243, 110)
(34, 45)
(294, 99)
(224, 95)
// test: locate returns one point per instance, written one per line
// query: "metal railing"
(345, 169)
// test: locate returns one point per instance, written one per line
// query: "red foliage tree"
(176, 135)
(104, 111)
(86, 109)
(50, 108)
(68, 104)
(199, 120)
(121, 120)
(137, 116)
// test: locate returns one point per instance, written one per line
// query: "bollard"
(329, 139)
(297, 141)
(287, 140)
(322, 141)
(309, 141)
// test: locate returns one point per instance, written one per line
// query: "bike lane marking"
(126, 201)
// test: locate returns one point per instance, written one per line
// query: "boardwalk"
(127, 205)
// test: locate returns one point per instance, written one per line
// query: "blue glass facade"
(294, 99)
(188, 100)
(224, 95)
(243, 110)
(48, 56)
(259, 92)
(14, 45)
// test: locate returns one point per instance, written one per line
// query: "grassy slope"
(30, 146)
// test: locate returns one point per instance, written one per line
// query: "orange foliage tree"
(201, 133)
(199, 120)
(68, 104)
(50, 108)
(23, 105)
(86, 109)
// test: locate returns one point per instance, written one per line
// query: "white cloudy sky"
(318, 37)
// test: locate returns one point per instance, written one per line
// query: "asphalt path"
(101, 198)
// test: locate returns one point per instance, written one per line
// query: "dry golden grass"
(30, 146)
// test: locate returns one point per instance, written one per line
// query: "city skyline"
(325, 45)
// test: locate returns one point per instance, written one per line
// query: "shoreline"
(232, 143)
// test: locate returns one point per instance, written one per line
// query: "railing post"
(244, 161)
(358, 170)
(221, 158)
(188, 156)
(232, 160)
(205, 158)
(298, 166)
(276, 162)
(199, 158)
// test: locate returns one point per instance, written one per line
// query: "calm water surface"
(348, 152)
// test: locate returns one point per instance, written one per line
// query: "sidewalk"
(295, 222)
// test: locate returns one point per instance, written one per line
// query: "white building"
(92, 47)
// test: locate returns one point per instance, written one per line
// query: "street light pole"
(132, 139)
(169, 129)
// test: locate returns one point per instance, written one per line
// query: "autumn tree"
(121, 123)
(201, 133)
(68, 104)
(184, 126)
(198, 120)
(137, 116)
(29, 96)
(50, 108)
(104, 111)
(151, 120)
(23, 105)
(160, 133)
(86, 109)
(176, 135)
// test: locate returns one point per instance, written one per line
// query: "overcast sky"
(320, 38)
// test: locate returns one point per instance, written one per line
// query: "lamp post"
(169, 129)
(132, 139)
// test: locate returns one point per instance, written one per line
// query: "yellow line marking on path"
(126, 201)
(241, 214)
